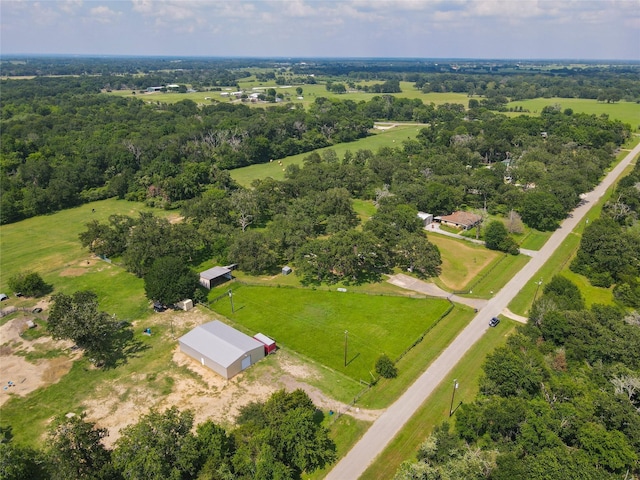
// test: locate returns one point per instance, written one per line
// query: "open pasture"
(626, 112)
(381, 138)
(313, 323)
(49, 245)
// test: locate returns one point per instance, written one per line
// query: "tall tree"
(169, 280)
(160, 446)
(76, 450)
(76, 317)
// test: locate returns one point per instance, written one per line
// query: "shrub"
(385, 367)
(30, 284)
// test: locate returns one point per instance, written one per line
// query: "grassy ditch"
(436, 409)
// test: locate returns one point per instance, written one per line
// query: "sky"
(483, 29)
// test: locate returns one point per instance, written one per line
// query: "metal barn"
(222, 348)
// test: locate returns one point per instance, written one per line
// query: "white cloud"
(70, 6)
(104, 14)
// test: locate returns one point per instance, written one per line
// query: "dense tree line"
(609, 251)
(559, 401)
(280, 438)
(601, 86)
(494, 164)
(61, 151)
(62, 145)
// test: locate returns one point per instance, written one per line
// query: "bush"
(385, 367)
(604, 279)
(30, 284)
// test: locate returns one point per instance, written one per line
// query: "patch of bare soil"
(79, 269)
(18, 376)
(185, 383)
(208, 395)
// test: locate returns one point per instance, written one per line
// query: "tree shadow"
(122, 346)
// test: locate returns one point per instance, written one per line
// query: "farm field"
(314, 323)
(310, 93)
(626, 112)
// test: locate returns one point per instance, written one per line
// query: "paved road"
(393, 419)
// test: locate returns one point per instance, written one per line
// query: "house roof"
(219, 342)
(214, 272)
(462, 218)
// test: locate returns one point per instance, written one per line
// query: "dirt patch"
(199, 389)
(18, 376)
(208, 395)
(185, 382)
(79, 269)
(175, 218)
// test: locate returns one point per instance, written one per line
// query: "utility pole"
(537, 288)
(231, 300)
(346, 341)
(455, 387)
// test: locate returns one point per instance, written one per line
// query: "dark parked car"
(494, 321)
(158, 307)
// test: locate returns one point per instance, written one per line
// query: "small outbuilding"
(222, 348)
(427, 218)
(185, 305)
(269, 344)
(215, 276)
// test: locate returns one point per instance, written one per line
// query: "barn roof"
(219, 342)
(215, 272)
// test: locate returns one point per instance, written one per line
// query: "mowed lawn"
(49, 245)
(313, 323)
(461, 261)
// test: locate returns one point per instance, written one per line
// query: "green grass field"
(313, 323)
(462, 261)
(49, 245)
(380, 138)
(627, 112)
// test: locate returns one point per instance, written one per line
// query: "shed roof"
(220, 342)
(264, 339)
(215, 272)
